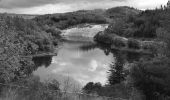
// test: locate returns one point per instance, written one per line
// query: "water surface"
(79, 59)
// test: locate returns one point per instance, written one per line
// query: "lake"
(78, 59)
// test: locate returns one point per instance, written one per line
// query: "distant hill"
(98, 16)
(122, 11)
(69, 19)
(25, 16)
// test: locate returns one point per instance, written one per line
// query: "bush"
(133, 44)
(152, 77)
(119, 42)
(103, 38)
(116, 91)
(54, 32)
(32, 89)
(151, 46)
(116, 27)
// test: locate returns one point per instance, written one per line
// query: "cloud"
(24, 3)
(34, 3)
(149, 4)
(93, 65)
(62, 6)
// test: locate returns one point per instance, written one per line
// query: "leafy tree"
(116, 72)
(91, 88)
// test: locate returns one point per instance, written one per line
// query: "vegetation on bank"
(63, 21)
(145, 25)
(120, 12)
(19, 38)
(98, 16)
(150, 75)
(141, 31)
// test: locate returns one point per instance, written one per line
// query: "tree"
(116, 72)
(91, 88)
(117, 27)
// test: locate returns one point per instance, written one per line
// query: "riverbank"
(129, 44)
(148, 31)
(22, 37)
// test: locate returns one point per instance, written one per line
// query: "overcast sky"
(61, 6)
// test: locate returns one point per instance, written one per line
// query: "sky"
(62, 6)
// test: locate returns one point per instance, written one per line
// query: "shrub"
(54, 32)
(119, 42)
(116, 27)
(151, 46)
(152, 77)
(103, 38)
(133, 44)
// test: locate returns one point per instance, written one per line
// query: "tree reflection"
(88, 47)
(42, 61)
(116, 72)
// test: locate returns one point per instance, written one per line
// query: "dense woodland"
(20, 38)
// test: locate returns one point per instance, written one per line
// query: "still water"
(81, 61)
(78, 59)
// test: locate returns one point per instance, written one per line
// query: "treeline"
(97, 16)
(66, 20)
(147, 24)
(121, 12)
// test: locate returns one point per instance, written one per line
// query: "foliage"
(115, 91)
(103, 38)
(32, 89)
(121, 12)
(152, 77)
(18, 38)
(142, 25)
(116, 27)
(66, 20)
(119, 42)
(116, 72)
(133, 44)
(92, 88)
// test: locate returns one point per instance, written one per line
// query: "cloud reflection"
(84, 67)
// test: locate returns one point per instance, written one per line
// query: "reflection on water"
(43, 61)
(82, 61)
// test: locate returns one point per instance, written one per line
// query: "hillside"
(98, 16)
(24, 16)
(119, 12)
